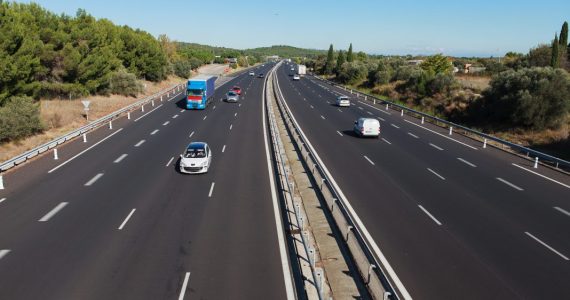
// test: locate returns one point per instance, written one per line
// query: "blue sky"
(461, 28)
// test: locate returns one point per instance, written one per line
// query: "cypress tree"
(564, 36)
(349, 55)
(555, 58)
(330, 61)
(339, 61)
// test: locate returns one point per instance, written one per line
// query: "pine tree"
(349, 55)
(339, 61)
(555, 58)
(330, 61)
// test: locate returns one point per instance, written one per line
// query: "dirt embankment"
(62, 116)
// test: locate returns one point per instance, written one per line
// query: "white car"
(196, 159)
(296, 77)
(342, 101)
(251, 73)
(367, 127)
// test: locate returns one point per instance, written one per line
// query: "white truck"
(301, 69)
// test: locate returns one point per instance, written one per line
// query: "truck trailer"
(199, 92)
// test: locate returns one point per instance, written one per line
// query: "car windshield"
(231, 94)
(195, 153)
(195, 92)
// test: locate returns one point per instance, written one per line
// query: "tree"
(19, 118)
(555, 53)
(540, 56)
(437, 64)
(330, 61)
(564, 36)
(349, 55)
(340, 60)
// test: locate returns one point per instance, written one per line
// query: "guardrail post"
(423, 119)
(386, 106)
(365, 98)
(349, 228)
(142, 108)
(370, 268)
(110, 124)
(333, 203)
(536, 163)
(55, 154)
(322, 183)
(85, 137)
(129, 115)
(387, 295)
(311, 255)
(319, 280)
(1, 182)
(450, 130)
(152, 101)
(402, 112)
(374, 101)
(484, 143)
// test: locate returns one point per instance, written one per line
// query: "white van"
(367, 127)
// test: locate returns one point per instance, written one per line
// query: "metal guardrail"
(17, 160)
(544, 158)
(371, 270)
(288, 189)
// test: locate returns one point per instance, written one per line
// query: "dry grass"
(478, 83)
(62, 116)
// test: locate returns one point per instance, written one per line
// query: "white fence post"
(142, 108)
(1, 182)
(160, 98)
(152, 103)
(55, 154)
(110, 124)
(85, 137)
(129, 115)
(386, 106)
(402, 112)
(450, 130)
(423, 119)
(536, 163)
(484, 143)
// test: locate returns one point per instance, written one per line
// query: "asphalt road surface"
(454, 220)
(119, 221)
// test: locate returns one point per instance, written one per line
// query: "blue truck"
(199, 92)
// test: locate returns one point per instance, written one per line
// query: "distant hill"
(281, 50)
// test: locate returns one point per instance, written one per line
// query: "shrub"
(535, 98)
(352, 72)
(182, 68)
(123, 83)
(19, 118)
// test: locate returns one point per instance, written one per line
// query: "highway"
(113, 218)
(454, 220)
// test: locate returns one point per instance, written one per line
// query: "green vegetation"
(19, 117)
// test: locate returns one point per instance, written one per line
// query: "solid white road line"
(118, 160)
(546, 245)
(466, 162)
(127, 219)
(413, 135)
(276, 210)
(545, 177)
(430, 215)
(52, 213)
(394, 125)
(170, 161)
(339, 133)
(154, 132)
(184, 286)
(509, 184)
(191, 134)
(368, 159)
(2, 200)
(4, 252)
(445, 136)
(211, 190)
(165, 123)
(175, 116)
(140, 143)
(386, 141)
(80, 153)
(555, 207)
(441, 177)
(436, 147)
(94, 179)
(223, 148)
(147, 113)
(205, 117)
(322, 117)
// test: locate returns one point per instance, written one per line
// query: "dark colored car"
(260, 75)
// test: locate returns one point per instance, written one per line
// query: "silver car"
(232, 96)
